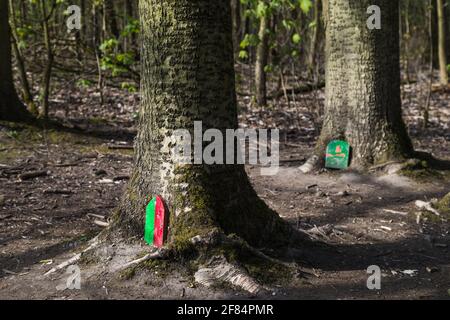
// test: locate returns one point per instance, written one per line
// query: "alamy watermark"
(374, 21)
(214, 146)
(374, 280)
(73, 281)
(74, 20)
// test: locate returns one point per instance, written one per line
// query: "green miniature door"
(338, 155)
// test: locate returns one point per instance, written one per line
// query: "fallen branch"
(120, 147)
(33, 174)
(101, 223)
(121, 178)
(304, 88)
(159, 254)
(395, 212)
(73, 259)
(96, 216)
(62, 192)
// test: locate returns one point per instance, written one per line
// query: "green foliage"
(305, 5)
(130, 87)
(296, 38)
(250, 40)
(24, 33)
(132, 28)
(84, 83)
(256, 9)
(113, 60)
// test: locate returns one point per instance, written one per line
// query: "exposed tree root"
(158, 254)
(218, 269)
(419, 160)
(427, 207)
(220, 260)
(312, 164)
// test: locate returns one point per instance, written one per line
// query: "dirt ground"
(366, 220)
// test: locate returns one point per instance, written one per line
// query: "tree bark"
(10, 106)
(188, 75)
(363, 103)
(443, 72)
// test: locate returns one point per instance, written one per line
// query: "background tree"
(262, 54)
(443, 67)
(11, 107)
(363, 104)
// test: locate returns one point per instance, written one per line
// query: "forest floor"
(81, 174)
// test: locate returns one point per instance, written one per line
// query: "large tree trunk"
(188, 75)
(10, 106)
(363, 103)
(441, 43)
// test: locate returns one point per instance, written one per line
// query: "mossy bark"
(443, 206)
(11, 108)
(187, 76)
(363, 103)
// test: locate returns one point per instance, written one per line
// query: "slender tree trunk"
(447, 28)
(188, 75)
(26, 92)
(426, 107)
(441, 43)
(109, 19)
(10, 106)
(47, 76)
(407, 39)
(262, 53)
(236, 15)
(315, 36)
(131, 14)
(96, 40)
(363, 103)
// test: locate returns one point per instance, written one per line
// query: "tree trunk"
(10, 106)
(441, 43)
(315, 36)
(26, 91)
(236, 15)
(47, 76)
(363, 104)
(261, 62)
(447, 33)
(188, 75)
(110, 27)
